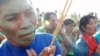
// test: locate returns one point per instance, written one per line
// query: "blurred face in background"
(90, 28)
(53, 20)
(69, 27)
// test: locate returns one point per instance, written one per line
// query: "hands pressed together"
(47, 51)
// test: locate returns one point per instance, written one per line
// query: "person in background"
(87, 45)
(98, 25)
(69, 38)
(39, 23)
(69, 25)
(51, 23)
(50, 20)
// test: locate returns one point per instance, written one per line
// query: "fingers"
(48, 51)
(44, 52)
(31, 52)
(52, 50)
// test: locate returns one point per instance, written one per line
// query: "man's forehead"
(15, 6)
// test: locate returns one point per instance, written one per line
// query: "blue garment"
(82, 49)
(97, 36)
(98, 26)
(41, 41)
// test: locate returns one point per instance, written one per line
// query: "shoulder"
(80, 42)
(97, 34)
(97, 37)
(44, 39)
(81, 45)
(40, 29)
(3, 46)
(45, 35)
(3, 43)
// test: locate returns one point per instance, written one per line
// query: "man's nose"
(56, 21)
(25, 22)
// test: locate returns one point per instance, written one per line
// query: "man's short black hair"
(5, 1)
(68, 21)
(47, 15)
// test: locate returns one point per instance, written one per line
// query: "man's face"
(53, 20)
(17, 20)
(70, 27)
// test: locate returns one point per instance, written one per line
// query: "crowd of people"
(26, 33)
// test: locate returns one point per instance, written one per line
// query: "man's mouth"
(28, 35)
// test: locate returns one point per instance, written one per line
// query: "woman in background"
(87, 45)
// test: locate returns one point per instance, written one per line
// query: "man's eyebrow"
(11, 12)
(29, 9)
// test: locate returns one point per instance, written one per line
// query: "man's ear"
(0, 30)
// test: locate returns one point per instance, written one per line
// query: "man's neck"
(16, 44)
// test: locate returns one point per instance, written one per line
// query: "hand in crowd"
(74, 33)
(47, 51)
(62, 30)
(98, 49)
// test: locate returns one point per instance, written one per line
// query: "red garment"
(91, 42)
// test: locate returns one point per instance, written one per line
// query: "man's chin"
(26, 42)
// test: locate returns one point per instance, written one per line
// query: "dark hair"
(6, 1)
(84, 21)
(3, 2)
(68, 21)
(47, 15)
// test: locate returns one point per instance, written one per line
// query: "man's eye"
(11, 18)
